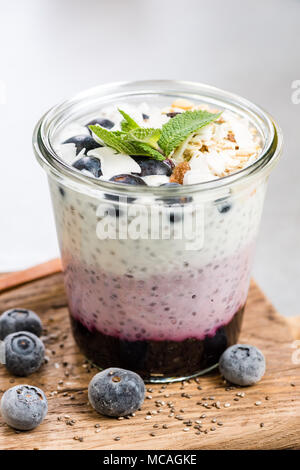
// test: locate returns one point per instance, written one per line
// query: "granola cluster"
(179, 172)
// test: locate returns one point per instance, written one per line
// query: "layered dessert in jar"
(157, 201)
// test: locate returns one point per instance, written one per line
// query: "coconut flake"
(113, 163)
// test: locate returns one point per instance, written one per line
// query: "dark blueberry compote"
(158, 359)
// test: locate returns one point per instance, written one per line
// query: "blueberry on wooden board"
(242, 364)
(24, 407)
(19, 319)
(116, 392)
(24, 353)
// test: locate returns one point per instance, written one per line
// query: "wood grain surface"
(267, 417)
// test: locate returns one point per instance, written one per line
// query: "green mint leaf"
(147, 151)
(128, 124)
(113, 139)
(148, 136)
(118, 141)
(177, 129)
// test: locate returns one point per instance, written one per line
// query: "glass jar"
(156, 277)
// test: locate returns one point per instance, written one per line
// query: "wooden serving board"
(267, 417)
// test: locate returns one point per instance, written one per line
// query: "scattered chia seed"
(262, 425)
(180, 418)
(257, 403)
(188, 423)
(226, 405)
(117, 438)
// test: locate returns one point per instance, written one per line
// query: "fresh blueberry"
(19, 319)
(91, 164)
(24, 407)
(223, 205)
(116, 392)
(128, 179)
(24, 353)
(171, 115)
(107, 123)
(242, 364)
(150, 166)
(171, 185)
(124, 179)
(83, 142)
(170, 163)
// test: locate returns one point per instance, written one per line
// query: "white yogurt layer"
(225, 233)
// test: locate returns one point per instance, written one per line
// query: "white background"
(52, 49)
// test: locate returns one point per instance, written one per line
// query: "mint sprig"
(177, 129)
(150, 142)
(128, 124)
(119, 141)
(147, 136)
(116, 140)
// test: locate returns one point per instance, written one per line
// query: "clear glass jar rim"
(49, 159)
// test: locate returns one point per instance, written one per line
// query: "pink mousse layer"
(192, 303)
